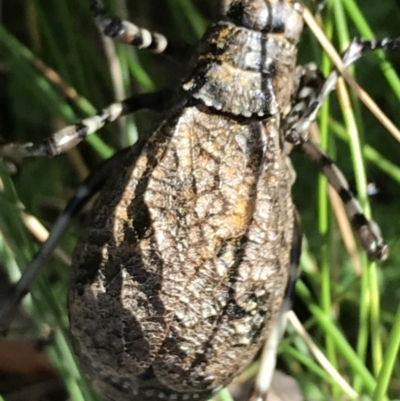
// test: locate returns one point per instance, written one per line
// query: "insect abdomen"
(184, 264)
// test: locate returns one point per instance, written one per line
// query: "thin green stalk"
(323, 219)
(390, 358)
(44, 304)
(50, 42)
(310, 364)
(225, 395)
(371, 154)
(369, 299)
(43, 310)
(375, 319)
(352, 359)
(192, 20)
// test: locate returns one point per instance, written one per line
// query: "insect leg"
(312, 90)
(367, 230)
(128, 33)
(309, 83)
(268, 357)
(84, 193)
(297, 129)
(70, 136)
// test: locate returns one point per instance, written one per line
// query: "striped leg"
(268, 358)
(309, 83)
(71, 135)
(84, 193)
(367, 230)
(312, 91)
(130, 34)
(296, 129)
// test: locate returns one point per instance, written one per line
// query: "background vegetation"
(354, 318)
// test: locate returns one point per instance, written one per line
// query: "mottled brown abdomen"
(184, 263)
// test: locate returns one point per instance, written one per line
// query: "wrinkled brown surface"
(184, 263)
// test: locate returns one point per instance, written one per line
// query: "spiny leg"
(296, 130)
(71, 135)
(263, 380)
(128, 33)
(84, 193)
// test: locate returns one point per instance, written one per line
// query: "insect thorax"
(245, 64)
(243, 72)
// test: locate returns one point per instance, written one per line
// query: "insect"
(183, 269)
